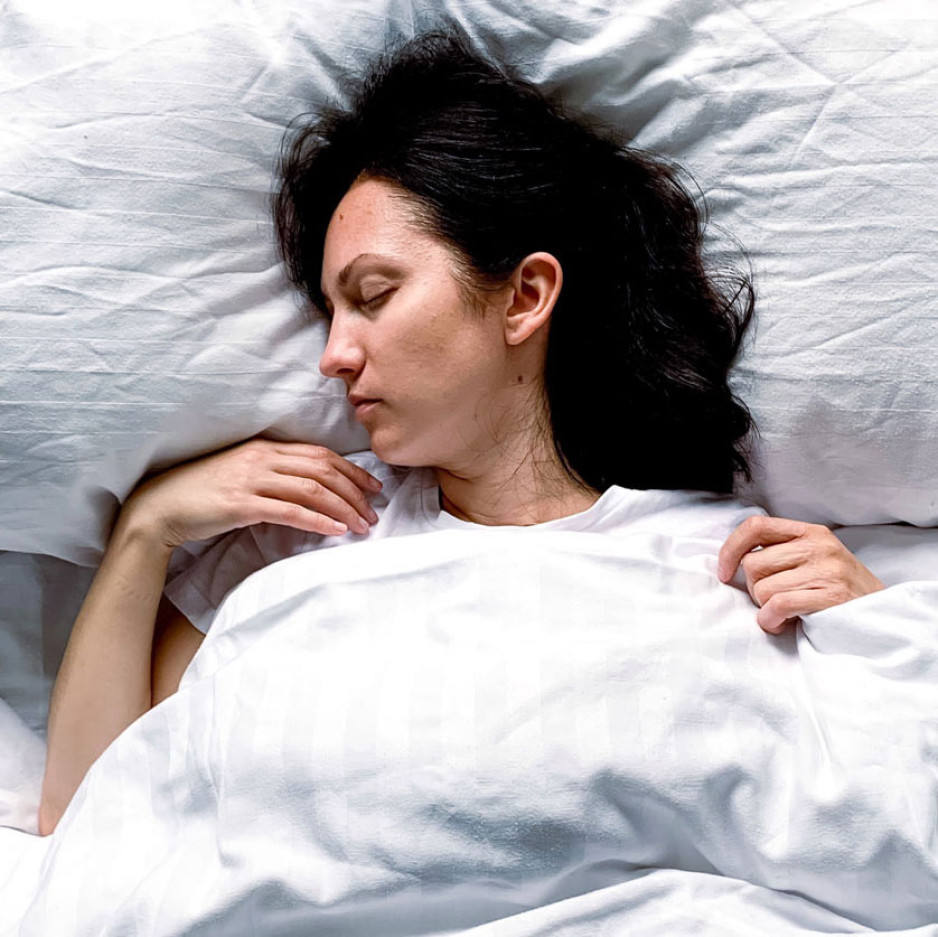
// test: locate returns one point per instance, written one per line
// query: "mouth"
(364, 406)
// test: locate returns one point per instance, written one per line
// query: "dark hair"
(641, 338)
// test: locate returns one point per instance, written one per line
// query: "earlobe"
(535, 286)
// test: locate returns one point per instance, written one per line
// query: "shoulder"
(710, 516)
(679, 513)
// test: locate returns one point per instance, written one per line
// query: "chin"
(397, 453)
(385, 451)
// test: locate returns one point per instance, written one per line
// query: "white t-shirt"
(409, 504)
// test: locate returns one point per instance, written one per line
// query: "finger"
(783, 608)
(756, 530)
(792, 579)
(313, 495)
(352, 471)
(290, 514)
(331, 477)
(765, 562)
(357, 474)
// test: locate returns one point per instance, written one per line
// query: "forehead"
(368, 201)
(369, 211)
(372, 224)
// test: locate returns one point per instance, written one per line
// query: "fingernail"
(376, 484)
(373, 517)
(361, 525)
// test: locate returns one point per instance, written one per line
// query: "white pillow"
(811, 129)
(145, 319)
(145, 316)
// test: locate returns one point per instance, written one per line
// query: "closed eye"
(376, 300)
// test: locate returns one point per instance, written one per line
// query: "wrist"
(136, 525)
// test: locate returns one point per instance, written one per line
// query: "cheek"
(453, 374)
(446, 362)
(436, 361)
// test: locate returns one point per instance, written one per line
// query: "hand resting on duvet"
(793, 568)
(520, 315)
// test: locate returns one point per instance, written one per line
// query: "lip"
(363, 407)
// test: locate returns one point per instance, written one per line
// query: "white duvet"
(590, 736)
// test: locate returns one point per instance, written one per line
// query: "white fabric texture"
(407, 504)
(145, 319)
(521, 730)
(41, 597)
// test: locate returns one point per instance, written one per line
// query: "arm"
(104, 682)
(111, 673)
(174, 646)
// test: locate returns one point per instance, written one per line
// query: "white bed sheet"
(756, 805)
(40, 597)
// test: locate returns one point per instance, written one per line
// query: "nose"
(343, 355)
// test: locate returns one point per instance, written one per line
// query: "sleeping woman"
(520, 316)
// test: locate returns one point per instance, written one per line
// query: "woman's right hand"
(259, 481)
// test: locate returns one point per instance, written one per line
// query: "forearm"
(103, 684)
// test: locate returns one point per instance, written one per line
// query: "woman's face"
(401, 332)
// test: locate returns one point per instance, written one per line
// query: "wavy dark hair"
(641, 338)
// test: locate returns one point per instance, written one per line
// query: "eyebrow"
(346, 272)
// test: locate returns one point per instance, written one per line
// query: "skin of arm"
(174, 646)
(104, 682)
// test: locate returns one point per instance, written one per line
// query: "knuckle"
(239, 487)
(782, 603)
(253, 452)
(293, 514)
(761, 593)
(312, 486)
(832, 547)
(362, 504)
(238, 498)
(247, 508)
(772, 603)
(304, 449)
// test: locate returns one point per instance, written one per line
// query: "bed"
(145, 320)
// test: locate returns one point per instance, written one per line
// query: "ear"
(535, 286)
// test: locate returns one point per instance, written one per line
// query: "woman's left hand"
(800, 568)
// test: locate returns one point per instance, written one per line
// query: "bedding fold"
(440, 733)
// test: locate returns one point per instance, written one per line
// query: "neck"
(521, 491)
